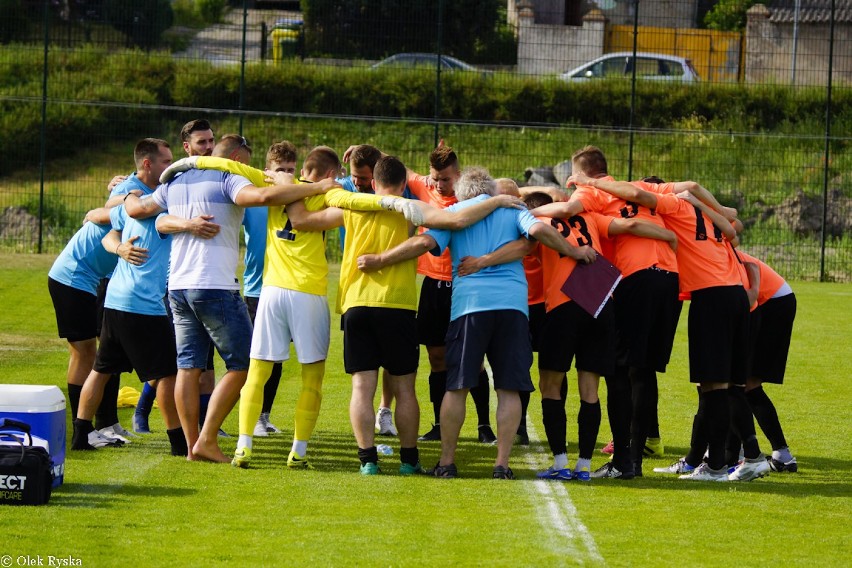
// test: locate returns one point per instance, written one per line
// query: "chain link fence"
(759, 114)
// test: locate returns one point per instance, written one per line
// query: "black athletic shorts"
(537, 313)
(570, 332)
(135, 341)
(647, 310)
(101, 292)
(380, 337)
(76, 311)
(718, 335)
(501, 335)
(771, 328)
(433, 311)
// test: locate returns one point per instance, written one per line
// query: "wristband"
(126, 196)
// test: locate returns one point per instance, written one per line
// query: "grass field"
(138, 506)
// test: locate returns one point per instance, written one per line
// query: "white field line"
(562, 517)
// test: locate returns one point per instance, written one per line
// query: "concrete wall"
(655, 13)
(550, 49)
(769, 51)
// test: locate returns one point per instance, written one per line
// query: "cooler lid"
(31, 398)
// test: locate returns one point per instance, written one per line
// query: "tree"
(142, 21)
(729, 15)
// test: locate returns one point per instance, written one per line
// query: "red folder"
(591, 285)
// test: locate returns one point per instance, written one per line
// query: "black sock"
(742, 422)
(80, 436)
(555, 423)
(411, 456)
(203, 403)
(525, 404)
(653, 395)
(718, 420)
(563, 390)
(619, 408)
(271, 388)
(644, 401)
(698, 441)
(437, 389)
(107, 413)
(767, 417)
(74, 398)
(368, 455)
(588, 425)
(481, 395)
(732, 448)
(177, 441)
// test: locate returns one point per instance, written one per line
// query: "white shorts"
(283, 315)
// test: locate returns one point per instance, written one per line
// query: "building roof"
(810, 11)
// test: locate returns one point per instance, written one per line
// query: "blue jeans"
(205, 316)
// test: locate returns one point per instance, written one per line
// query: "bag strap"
(7, 435)
(12, 424)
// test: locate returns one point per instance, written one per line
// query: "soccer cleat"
(260, 429)
(370, 468)
(582, 475)
(704, 473)
(296, 462)
(242, 457)
(446, 471)
(432, 435)
(679, 467)
(501, 472)
(270, 427)
(223, 434)
(408, 469)
(749, 469)
(116, 432)
(486, 434)
(608, 470)
(653, 448)
(781, 467)
(522, 438)
(264, 427)
(608, 449)
(140, 424)
(97, 440)
(384, 422)
(554, 474)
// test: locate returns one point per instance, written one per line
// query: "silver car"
(655, 66)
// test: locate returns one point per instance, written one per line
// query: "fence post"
(43, 134)
(827, 154)
(263, 33)
(438, 70)
(243, 64)
(633, 88)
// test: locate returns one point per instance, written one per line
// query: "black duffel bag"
(26, 475)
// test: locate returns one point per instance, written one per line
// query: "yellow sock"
(251, 395)
(310, 399)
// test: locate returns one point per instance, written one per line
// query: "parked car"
(424, 60)
(655, 66)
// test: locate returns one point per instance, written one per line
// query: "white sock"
(560, 461)
(300, 447)
(583, 464)
(244, 441)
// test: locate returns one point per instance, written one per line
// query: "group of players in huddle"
(494, 261)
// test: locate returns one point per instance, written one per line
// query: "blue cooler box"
(43, 408)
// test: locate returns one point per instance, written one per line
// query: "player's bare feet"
(209, 452)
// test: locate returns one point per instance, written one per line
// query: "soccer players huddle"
(497, 285)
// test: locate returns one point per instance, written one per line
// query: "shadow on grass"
(94, 495)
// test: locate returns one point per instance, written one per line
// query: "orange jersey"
(770, 281)
(535, 278)
(704, 257)
(437, 267)
(580, 230)
(631, 253)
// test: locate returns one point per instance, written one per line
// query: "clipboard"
(591, 285)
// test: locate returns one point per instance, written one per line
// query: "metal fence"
(789, 179)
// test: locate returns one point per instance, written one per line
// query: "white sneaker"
(98, 440)
(704, 473)
(750, 469)
(115, 432)
(679, 467)
(270, 427)
(384, 422)
(260, 427)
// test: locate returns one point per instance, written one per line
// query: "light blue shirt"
(139, 289)
(254, 223)
(499, 287)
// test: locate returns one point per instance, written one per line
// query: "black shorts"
(501, 335)
(101, 292)
(718, 335)
(76, 311)
(537, 313)
(251, 304)
(570, 332)
(380, 337)
(647, 310)
(771, 328)
(135, 341)
(433, 311)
